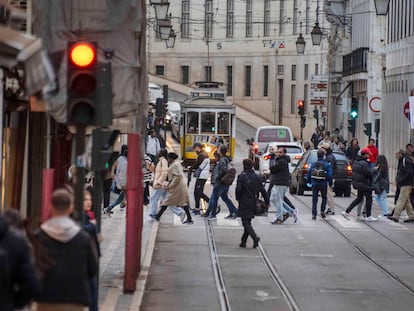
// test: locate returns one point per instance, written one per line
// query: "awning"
(17, 47)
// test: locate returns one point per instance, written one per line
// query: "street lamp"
(300, 42)
(316, 32)
(381, 6)
(171, 40)
(164, 28)
(161, 8)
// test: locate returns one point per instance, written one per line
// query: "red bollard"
(134, 217)
(47, 189)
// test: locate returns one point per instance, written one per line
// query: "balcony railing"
(355, 62)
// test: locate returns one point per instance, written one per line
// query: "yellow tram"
(208, 117)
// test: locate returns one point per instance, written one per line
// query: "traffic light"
(351, 126)
(165, 93)
(368, 129)
(301, 107)
(82, 82)
(354, 108)
(159, 108)
(302, 121)
(103, 156)
(316, 113)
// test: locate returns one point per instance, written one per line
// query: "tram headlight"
(208, 149)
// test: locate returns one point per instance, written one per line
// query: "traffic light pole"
(79, 180)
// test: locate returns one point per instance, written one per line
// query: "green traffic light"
(354, 114)
(106, 165)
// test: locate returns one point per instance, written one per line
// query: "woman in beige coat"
(158, 193)
(177, 194)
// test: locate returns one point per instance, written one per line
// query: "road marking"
(349, 224)
(317, 255)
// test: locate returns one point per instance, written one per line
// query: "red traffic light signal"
(82, 82)
(301, 107)
(82, 54)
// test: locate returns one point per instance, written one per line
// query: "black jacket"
(279, 171)
(405, 172)
(74, 262)
(249, 184)
(21, 282)
(362, 174)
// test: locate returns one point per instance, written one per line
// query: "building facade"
(250, 47)
(375, 66)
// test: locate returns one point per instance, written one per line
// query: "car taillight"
(256, 148)
(305, 168)
(349, 170)
(266, 157)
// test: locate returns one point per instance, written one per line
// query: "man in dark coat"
(280, 179)
(18, 282)
(249, 184)
(362, 176)
(405, 184)
(65, 283)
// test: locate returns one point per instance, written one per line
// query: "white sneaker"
(370, 218)
(346, 215)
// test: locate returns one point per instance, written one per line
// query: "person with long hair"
(382, 184)
(352, 151)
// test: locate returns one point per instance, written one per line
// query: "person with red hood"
(373, 152)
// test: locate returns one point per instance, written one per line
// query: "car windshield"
(292, 149)
(269, 135)
(338, 156)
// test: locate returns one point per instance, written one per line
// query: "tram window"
(208, 122)
(223, 123)
(192, 125)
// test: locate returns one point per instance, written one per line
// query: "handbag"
(260, 207)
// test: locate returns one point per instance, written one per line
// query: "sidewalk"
(111, 296)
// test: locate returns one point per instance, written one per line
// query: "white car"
(294, 150)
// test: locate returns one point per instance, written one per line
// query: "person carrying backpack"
(319, 175)
(222, 174)
(330, 158)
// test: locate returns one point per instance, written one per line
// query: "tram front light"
(208, 149)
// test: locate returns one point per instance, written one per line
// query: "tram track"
(364, 252)
(223, 295)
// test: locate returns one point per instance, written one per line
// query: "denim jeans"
(323, 189)
(156, 196)
(382, 202)
(117, 201)
(276, 197)
(220, 190)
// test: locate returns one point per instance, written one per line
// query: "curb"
(145, 267)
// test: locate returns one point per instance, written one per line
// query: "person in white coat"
(201, 169)
(158, 193)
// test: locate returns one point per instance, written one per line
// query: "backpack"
(319, 171)
(230, 175)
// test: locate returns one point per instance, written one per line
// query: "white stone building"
(377, 68)
(250, 47)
